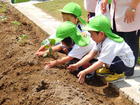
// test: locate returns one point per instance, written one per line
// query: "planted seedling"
(50, 53)
(3, 18)
(16, 23)
(22, 39)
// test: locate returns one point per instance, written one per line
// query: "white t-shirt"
(109, 49)
(90, 5)
(78, 51)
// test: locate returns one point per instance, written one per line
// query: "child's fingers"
(80, 79)
(46, 63)
(46, 67)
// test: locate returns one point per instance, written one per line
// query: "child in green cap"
(82, 44)
(113, 52)
(71, 12)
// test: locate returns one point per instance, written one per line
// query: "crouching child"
(112, 51)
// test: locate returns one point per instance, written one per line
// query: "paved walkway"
(130, 87)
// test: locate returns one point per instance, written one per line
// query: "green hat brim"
(109, 34)
(114, 37)
(78, 39)
(61, 10)
(81, 40)
(80, 19)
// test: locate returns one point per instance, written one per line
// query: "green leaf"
(52, 41)
(3, 18)
(46, 46)
(50, 51)
(23, 36)
(16, 22)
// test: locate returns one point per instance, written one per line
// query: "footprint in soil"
(43, 85)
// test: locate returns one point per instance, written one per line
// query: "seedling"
(50, 53)
(22, 38)
(3, 18)
(16, 23)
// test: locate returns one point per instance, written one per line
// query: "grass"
(52, 7)
(139, 60)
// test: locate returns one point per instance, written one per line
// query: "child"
(113, 51)
(71, 12)
(81, 46)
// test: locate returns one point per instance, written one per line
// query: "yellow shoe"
(111, 78)
(103, 70)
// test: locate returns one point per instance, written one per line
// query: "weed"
(22, 39)
(16, 23)
(3, 18)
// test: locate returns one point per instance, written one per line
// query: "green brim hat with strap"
(101, 23)
(75, 9)
(68, 29)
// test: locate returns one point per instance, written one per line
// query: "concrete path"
(130, 87)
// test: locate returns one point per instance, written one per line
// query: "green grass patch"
(138, 60)
(52, 7)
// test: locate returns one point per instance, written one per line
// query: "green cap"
(75, 9)
(101, 23)
(68, 29)
(109, 1)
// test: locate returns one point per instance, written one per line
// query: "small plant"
(50, 53)
(3, 18)
(22, 39)
(16, 23)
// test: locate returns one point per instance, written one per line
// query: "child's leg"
(119, 67)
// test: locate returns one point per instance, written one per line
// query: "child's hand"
(41, 53)
(81, 76)
(50, 64)
(65, 50)
(72, 67)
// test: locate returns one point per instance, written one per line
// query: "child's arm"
(42, 51)
(90, 69)
(58, 62)
(84, 60)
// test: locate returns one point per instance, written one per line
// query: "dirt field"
(23, 81)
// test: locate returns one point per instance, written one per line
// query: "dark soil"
(23, 81)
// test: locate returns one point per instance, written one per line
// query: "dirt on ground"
(23, 81)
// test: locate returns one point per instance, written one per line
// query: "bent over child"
(82, 44)
(70, 12)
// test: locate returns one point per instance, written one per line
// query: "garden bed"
(23, 81)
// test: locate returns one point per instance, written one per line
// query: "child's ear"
(102, 33)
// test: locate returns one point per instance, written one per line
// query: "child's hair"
(68, 42)
(70, 14)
